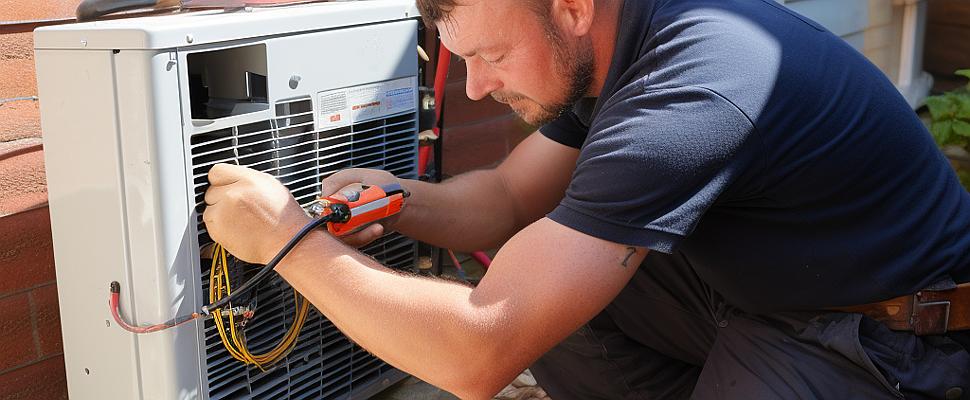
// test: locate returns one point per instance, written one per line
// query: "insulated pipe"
(93, 9)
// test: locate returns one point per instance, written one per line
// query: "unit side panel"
(78, 117)
(163, 273)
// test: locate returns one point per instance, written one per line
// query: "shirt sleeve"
(566, 130)
(654, 162)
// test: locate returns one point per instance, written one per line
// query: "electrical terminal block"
(243, 311)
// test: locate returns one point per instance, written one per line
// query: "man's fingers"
(214, 194)
(339, 180)
(348, 191)
(209, 217)
(369, 234)
(225, 174)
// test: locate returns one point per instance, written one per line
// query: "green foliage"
(950, 120)
(950, 113)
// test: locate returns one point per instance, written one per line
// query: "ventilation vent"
(324, 364)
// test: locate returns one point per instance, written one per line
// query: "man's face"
(518, 56)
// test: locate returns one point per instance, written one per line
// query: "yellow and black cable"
(235, 339)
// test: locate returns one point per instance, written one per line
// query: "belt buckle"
(931, 317)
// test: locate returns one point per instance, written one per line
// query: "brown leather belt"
(928, 312)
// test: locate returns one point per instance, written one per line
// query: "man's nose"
(480, 81)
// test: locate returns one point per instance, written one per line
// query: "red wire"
(443, 61)
(482, 258)
(113, 303)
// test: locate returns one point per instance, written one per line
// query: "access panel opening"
(227, 82)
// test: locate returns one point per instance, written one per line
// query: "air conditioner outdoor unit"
(134, 113)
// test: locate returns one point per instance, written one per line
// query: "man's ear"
(573, 16)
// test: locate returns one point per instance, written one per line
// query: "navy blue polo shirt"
(783, 165)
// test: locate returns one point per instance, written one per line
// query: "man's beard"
(574, 64)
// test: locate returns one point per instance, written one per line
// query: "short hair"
(433, 11)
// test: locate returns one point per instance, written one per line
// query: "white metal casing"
(116, 121)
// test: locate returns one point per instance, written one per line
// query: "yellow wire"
(215, 292)
(235, 343)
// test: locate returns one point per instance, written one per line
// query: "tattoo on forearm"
(632, 251)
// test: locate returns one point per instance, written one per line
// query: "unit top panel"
(214, 26)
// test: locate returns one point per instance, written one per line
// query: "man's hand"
(351, 179)
(250, 213)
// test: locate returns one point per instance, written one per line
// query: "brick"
(17, 76)
(26, 252)
(18, 335)
(460, 110)
(16, 45)
(47, 319)
(17, 65)
(19, 10)
(482, 144)
(44, 380)
(23, 184)
(948, 12)
(21, 119)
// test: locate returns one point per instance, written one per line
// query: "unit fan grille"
(324, 364)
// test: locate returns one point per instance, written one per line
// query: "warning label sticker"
(342, 107)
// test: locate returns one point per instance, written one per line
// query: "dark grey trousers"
(668, 336)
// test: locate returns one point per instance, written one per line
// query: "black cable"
(339, 213)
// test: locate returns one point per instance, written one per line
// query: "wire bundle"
(221, 296)
(235, 339)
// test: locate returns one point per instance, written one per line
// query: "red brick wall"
(477, 134)
(31, 359)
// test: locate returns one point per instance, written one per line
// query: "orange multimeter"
(371, 204)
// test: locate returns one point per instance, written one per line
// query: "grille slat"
(325, 363)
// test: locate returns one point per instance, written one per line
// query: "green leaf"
(942, 131)
(961, 128)
(962, 106)
(939, 107)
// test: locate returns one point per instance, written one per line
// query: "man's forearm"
(469, 212)
(482, 209)
(421, 325)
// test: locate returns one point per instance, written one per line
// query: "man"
(713, 184)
